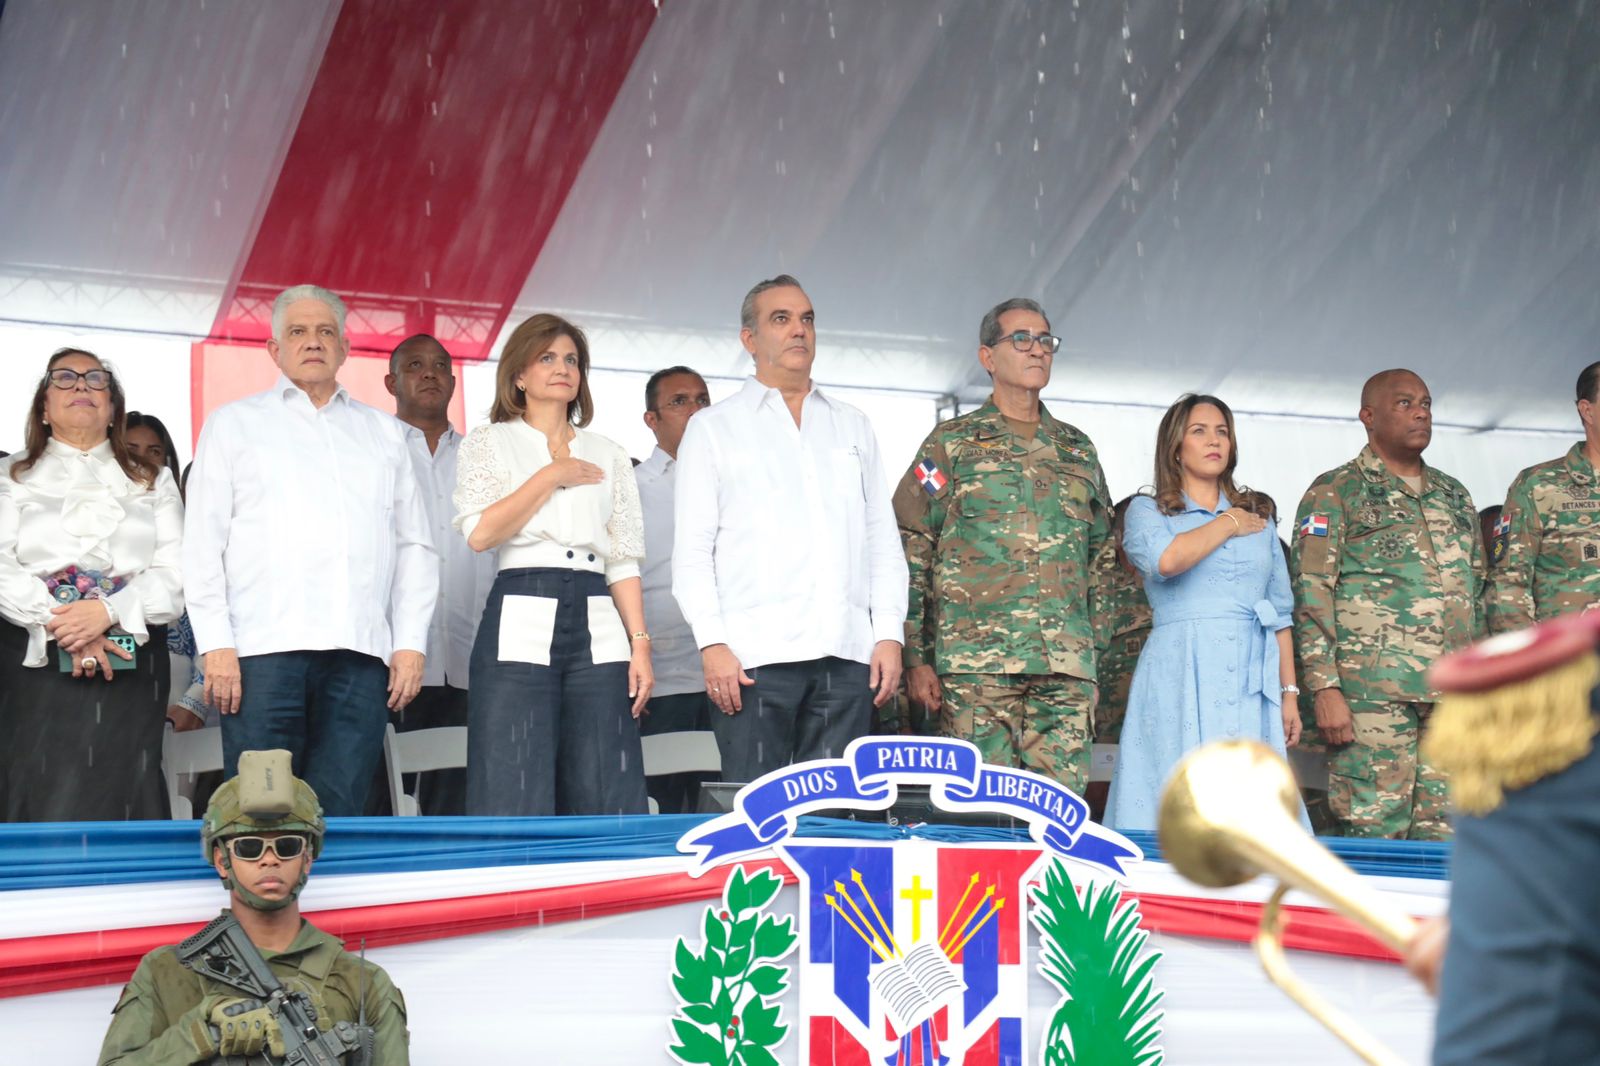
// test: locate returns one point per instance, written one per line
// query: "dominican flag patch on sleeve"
(931, 476)
(1315, 525)
(1502, 526)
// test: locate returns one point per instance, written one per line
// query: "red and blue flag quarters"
(931, 476)
(1502, 526)
(1315, 525)
(913, 953)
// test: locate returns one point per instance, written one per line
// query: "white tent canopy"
(1268, 201)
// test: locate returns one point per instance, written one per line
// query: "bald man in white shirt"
(422, 381)
(309, 570)
(787, 561)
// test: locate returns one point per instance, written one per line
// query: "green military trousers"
(1038, 722)
(1380, 785)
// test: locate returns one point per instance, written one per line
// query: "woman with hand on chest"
(1219, 663)
(561, 665)
(90, 536)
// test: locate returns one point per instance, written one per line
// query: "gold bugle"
(1229, 812)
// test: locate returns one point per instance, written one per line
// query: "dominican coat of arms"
(915, 952)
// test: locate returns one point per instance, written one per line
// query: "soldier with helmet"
(262, 832)
(1547, 538)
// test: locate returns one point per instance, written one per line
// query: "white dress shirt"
(77, 508)
(673, 653)
(306, 530)
(786, 547)
(465, 576)
(586, 527)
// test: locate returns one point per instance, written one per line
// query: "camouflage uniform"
(1547, 544)
(154, 1015)
(1123, 616)
(999, 534)
(1386, 581)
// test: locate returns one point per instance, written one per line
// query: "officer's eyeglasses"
(678, 403)
(250, 849)
(64, 377)
(1023, 341)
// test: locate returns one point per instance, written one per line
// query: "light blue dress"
(1210, 668)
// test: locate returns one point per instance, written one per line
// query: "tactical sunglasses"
(250, 849)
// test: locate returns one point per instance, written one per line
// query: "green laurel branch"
(726, 1016)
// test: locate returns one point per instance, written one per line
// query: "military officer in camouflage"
(1002, 514)
(261, 832)
(1124, 619)
(1547, 540)
(1388, 569)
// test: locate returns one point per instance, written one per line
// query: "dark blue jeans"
(555, 736)
(1521, 980)
(793, 712)
(327, 708)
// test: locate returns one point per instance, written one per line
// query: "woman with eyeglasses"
(1218, 664)
(89, 548)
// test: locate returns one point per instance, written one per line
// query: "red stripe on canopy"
(437, 145)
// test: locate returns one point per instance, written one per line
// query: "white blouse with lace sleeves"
(482, 478)
(599, 528)
(625, 530)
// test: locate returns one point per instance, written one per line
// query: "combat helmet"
(265, 797)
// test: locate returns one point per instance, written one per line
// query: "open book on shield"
(914, 987)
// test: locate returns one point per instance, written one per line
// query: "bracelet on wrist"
(1236, 527)
(1291, 690)
(641, 636)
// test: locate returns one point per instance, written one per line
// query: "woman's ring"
(89, 662)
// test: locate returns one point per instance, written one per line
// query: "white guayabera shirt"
(786, 547)
(306, 530)
(464, 575)
(673, 653)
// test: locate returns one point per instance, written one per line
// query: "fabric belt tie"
(1261, 671)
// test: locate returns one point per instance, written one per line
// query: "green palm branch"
(1092, 950)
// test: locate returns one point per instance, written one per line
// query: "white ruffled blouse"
(77, 508)
(586, 527)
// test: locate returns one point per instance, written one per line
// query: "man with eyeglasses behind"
(1002, 514)
(678, 701)
(262, 831)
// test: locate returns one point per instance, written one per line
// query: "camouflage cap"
(265, 797)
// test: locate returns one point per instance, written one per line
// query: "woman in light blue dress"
(1218, 664)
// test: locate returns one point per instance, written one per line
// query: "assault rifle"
(223, 952)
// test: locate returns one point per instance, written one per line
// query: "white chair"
(194, 752)
(1102, 762)
(416, 752)
(690, 752)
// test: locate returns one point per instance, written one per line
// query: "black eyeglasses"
(677, 403)
(1023, 341)
(64, 377)
(250, 849)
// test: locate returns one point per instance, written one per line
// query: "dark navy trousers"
(794, 712)
(551, 730)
